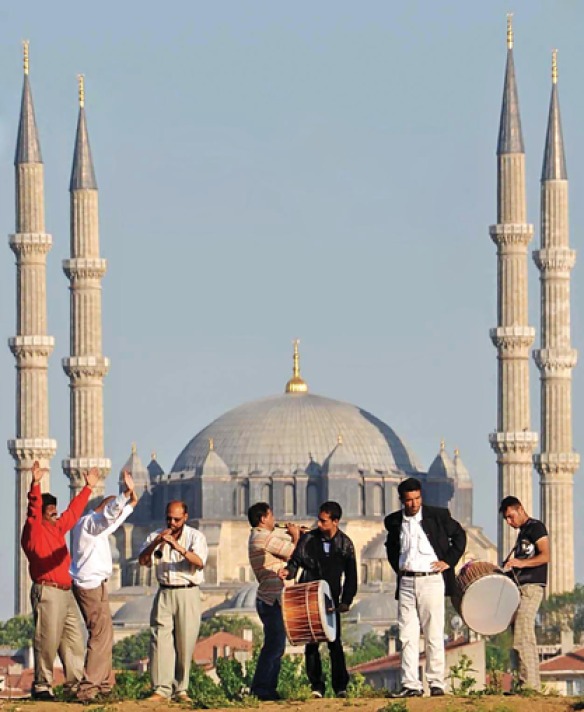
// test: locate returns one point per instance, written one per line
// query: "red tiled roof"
(572, 661)
(204, 648)
(390, 662)
(20, 684)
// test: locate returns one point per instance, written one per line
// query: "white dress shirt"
(91, 556)
(416, 552)
(172, 569)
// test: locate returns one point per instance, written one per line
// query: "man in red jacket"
(56, 616)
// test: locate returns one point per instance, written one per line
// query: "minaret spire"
(513, 441)
(32, 345)
(296, 384)
(86, 366)
(557, 462)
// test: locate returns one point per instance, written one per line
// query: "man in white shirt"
(179, 553)
(424, 544)
(91, 567)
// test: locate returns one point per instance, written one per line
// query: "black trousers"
(340, 676)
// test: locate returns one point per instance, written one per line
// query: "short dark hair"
(333, 509)
(48, 499)
(411, 484)
(257, 512)
(507, 502)
(177, 501)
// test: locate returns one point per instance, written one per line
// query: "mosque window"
(289, 507)
(364, 573)
(312, 500)
(267, 494)
(362, 499)
(242, 502)
(378, 508)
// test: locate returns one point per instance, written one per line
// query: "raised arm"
(34, 513)
(70, 516)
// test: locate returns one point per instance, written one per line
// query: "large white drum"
(489, 598)
(306, 609)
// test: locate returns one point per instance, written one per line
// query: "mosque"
(296, 449)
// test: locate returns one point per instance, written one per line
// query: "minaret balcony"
(555, 362)
(86, 366)
(32, 448)
(511, 234)
(85, 267)
(506, 443)
(511, 340)
(557, 463)
(30, 346)
(28, 243)
(554, 261)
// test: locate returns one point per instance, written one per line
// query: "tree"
(17, 632)
(561, 610)
(372, 646)
(130, 649)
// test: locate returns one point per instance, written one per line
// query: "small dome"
(442, 467)
(245, 598)
(376, 608)
(135, 467)
(154, 469)
(135, 613)
(460, 471)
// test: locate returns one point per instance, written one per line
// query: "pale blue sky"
(269, 170)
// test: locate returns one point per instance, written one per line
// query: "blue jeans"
(265, 679)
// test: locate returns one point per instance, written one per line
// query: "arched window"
(267, 494)
(361, 509)
(364, 573)
(312, 500)
(289, 503)
(242, 499)
(378, 508)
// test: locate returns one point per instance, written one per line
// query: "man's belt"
(184, 585)
(418, 573)
(53, 584)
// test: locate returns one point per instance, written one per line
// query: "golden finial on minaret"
(25, 44)
(211, 445)
(339, 439)
(509, 30)
(296, 384)
(554, 66)
(134, 448)
(81, 87)
(442, 445)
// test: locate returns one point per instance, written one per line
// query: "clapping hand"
(92, 477)
(37, 472)
(129, 491)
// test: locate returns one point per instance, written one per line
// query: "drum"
(489, 598)
(307, 615)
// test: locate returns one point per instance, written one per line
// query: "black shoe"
(342, 694)
(436, 692)
(43, 696)
(267, 697)
(408, 692)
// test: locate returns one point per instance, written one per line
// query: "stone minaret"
(31, 346)
(86, 366)
(556, 358)
(513, 440)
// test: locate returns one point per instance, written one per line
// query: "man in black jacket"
(422, 543)
(327, 553)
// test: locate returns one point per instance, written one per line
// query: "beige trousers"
(97, 675)
(57, 629)
(524, 657)
(174, 625)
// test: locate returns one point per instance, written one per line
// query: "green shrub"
(131, 685)
(204, 693)
(461, 681)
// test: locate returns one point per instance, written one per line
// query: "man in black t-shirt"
(529, 562)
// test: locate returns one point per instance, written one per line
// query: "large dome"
(293, 430)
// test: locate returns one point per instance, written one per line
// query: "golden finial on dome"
(456, 452)
(134, 448)
(509, 30)
(153, 455)
(81, 88)
(442, 445)
(554, 66)
(296, 384)
(25, 44)
(211, 445)
(339, 439)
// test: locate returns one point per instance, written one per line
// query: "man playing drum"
(529, 560)
(327, 553)
(422, 543)
(268, 552)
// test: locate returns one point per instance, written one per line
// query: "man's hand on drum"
(514, 563)
(439, 566)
